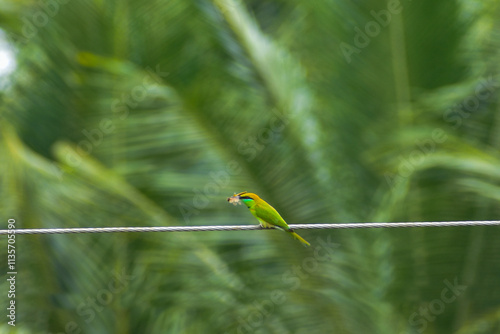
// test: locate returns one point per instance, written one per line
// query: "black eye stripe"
(245, 197)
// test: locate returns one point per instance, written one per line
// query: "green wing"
(266, 213)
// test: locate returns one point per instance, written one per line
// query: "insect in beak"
(235, 199)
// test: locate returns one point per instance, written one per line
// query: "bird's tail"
(299, 238)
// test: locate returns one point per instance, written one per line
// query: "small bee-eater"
(267, 216)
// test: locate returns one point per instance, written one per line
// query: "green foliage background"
(151, 113)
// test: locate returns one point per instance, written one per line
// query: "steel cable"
(243, 227)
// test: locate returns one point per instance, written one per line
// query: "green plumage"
(267, 216)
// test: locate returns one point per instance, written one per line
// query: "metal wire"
(243, 227)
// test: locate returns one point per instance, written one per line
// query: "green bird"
(267, 216)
